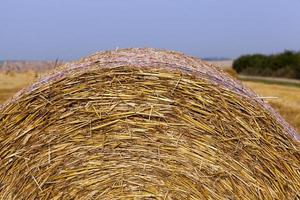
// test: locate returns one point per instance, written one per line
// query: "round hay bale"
(144, 124)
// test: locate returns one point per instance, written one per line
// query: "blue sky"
(70, 29)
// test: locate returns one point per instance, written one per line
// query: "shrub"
(286, 64)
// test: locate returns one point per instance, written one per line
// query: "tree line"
(285, 64)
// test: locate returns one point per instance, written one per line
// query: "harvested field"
(144, 124)
(15, 81)
(12, 82)
(7, 93)
(286, 101)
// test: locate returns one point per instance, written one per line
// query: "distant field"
(271, 80)
(221, 63)
(24, 66)
(287, 103)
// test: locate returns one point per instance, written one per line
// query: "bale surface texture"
(144, 124)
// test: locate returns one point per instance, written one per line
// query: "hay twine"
(144, 124)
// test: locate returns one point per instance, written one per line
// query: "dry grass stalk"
(140, 124)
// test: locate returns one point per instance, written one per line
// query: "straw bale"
(144, 124)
